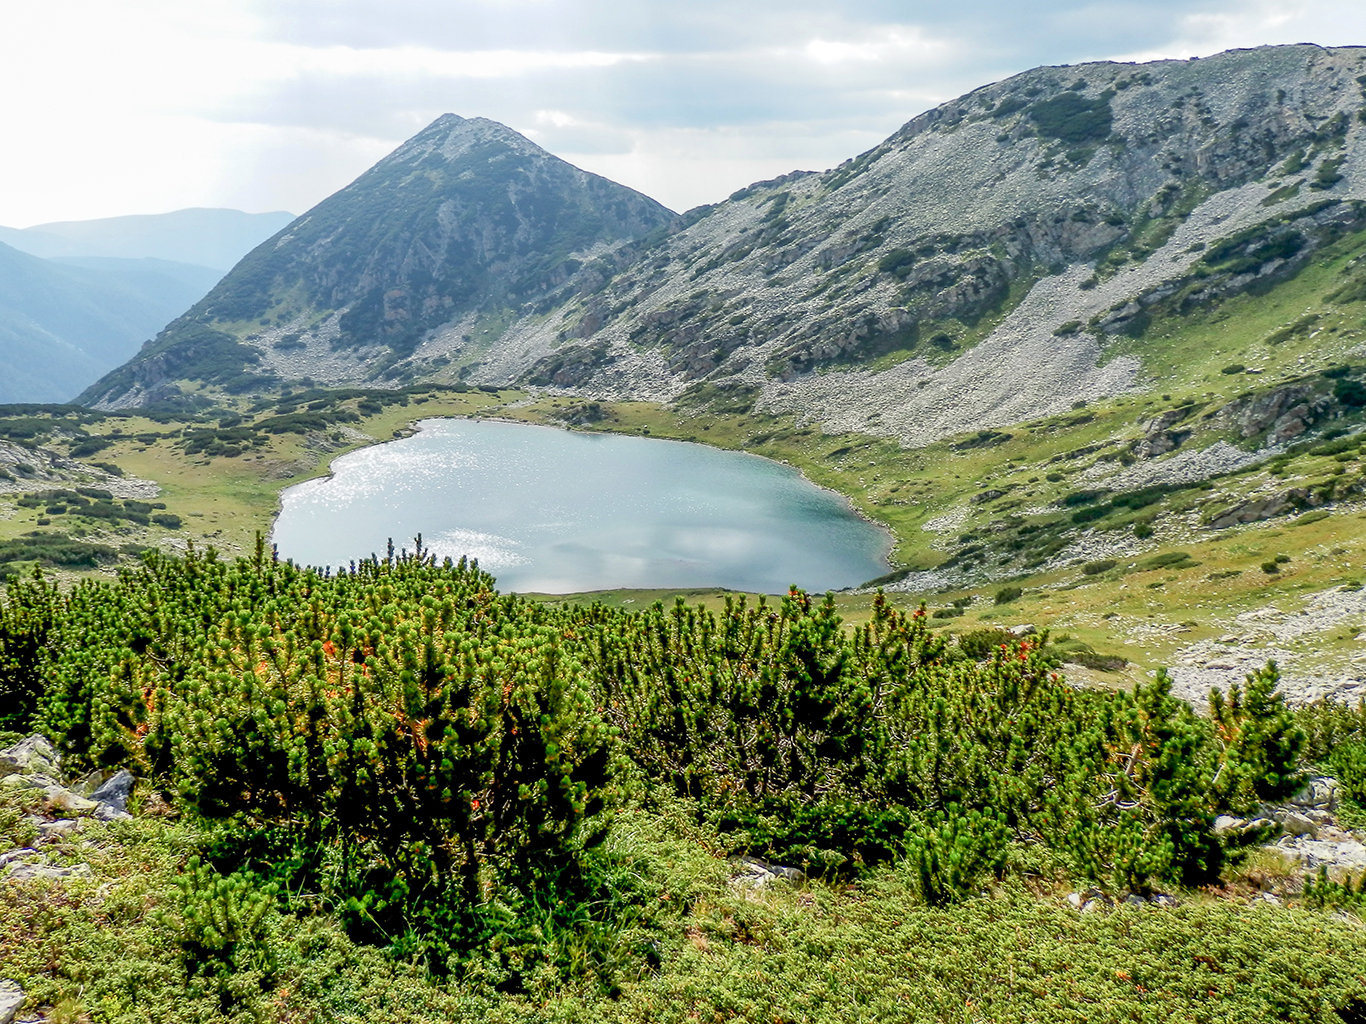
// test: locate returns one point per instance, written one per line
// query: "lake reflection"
(555, 511)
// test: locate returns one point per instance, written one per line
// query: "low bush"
(443, 762)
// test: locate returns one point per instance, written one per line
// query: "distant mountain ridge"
(213, 238)
(63, 324)
(78, 298)
(974, 269)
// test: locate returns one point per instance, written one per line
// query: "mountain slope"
(211, 238)
(64, 323)
(998, 258)
(979, 267)
(466, 218)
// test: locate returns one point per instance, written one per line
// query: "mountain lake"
(557, 511)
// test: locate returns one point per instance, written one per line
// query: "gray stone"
(26, 872)
(1296, 824)
(1311, 854)
(1025, 629)
(55, 795)
(33, 755)
(1321, 793)
(1228, 823)
(88, 783)
(59, 798)
(1162, 899)
(11, 999)
(29, 782)
(756, 873)
(116, 791)
(56, 829)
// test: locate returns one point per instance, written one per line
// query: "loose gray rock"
(56, 795)
(88, 783)
(25, 872)
(13, 856)
(1311, 853)
(1026, 629)
(755, 873)
(116, 791)
(33, 755)
(56, 829)
(1296, 824)
(1320, 793)
(11, 999)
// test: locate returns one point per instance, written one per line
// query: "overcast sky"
(110, 107)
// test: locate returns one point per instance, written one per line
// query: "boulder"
(1293, 499)
(116, 791)
(29, 871)
(1297, 824)
(756, 873)
(1026, 629)
(55, 795)
(33, 755)
(108, 812)
(48, 830)
(1320, 793)
(11, 999)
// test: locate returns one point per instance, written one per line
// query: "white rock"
(1296, 824)
(11, 998)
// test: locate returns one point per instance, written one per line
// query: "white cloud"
(147, 105)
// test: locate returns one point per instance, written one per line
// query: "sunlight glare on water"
(556, 511)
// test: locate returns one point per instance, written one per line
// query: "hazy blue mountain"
(65, 322)
(177, 285)
(207, 237)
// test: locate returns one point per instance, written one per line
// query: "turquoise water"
(555, 511)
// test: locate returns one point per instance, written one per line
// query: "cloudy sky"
(141, 106)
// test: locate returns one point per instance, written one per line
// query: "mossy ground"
(110, 947)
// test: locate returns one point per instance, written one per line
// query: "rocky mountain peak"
(971, 270)
(463, 221)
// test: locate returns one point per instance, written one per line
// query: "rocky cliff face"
(972, 270)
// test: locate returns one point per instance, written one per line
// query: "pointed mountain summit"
(462, 223)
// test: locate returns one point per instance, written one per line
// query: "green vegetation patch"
(55, 549)
(1071, 117)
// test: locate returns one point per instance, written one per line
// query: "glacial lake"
(556, 511)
